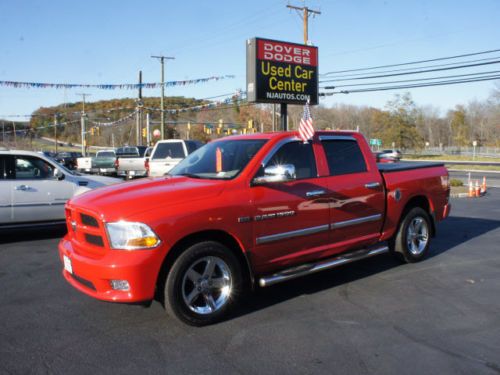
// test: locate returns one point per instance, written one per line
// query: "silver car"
(35, 188)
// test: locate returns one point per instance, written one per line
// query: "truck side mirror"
(276, 173)
(58, 174)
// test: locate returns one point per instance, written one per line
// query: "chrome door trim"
(315, 193)
(38, 204)
(336, 138)
(291, 234)
(372, 185)
(347, 223)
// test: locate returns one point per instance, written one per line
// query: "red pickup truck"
(245, 211)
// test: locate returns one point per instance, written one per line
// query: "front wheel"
(203, 284)
(411, 243)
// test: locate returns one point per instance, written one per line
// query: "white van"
(168, 153)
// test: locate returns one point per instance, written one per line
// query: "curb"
(465, 195)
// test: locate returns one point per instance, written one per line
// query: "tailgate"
(406, 181)
(131, 164)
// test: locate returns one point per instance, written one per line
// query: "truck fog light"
(120, 285)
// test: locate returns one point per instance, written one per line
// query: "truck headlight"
(131, 236)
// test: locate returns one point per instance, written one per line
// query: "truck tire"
(411, 243)
(203, 284)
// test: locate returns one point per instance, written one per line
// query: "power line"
(414, 72)
(413, 69)
(409, 80)
(441, 83)
(414, 62)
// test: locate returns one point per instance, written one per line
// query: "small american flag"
(306, 129)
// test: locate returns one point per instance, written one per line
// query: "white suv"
(168, 153)
(34, 188)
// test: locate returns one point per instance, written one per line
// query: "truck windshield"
(219, 160)
(172, 150)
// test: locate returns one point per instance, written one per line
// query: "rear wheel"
(203, 284)
(411, 243)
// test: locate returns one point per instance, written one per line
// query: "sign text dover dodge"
(281, 72)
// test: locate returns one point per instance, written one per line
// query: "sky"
(98, 42)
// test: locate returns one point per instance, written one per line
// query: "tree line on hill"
(402, 122)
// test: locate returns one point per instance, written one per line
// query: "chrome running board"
(307, 269)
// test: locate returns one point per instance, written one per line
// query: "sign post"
(281, 72)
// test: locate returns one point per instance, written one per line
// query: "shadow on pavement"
(451, 232)
(32, 234)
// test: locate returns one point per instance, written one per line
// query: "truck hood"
(121, 201)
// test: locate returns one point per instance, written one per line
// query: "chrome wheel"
(206, 285)
(417, 235)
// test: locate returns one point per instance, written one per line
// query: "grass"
(451, 158)
(473, 167)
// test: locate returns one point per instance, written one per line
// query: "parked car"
(249, 210)
(35, 188)
(130, 161)
(389, 155)
(68, 159)
(49, 154)
(168, 153)
(102, 163)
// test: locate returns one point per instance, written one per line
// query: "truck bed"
(406, 166)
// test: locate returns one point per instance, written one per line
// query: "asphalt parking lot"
(440, 316)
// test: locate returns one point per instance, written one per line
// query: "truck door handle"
(315, 193)
(22, 187)
(372, 185)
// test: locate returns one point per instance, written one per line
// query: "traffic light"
(250, 124)
(92, 131)
(219, 128)
(144, 133)
(98, 130)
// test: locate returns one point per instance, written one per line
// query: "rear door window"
(344, 157)
(174, 150)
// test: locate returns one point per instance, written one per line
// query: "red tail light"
(146, 165)
(117, 163)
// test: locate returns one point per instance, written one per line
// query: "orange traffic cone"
(478, 189)
(471, 190)
(483, 186)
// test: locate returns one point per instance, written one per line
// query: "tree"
(459, 127)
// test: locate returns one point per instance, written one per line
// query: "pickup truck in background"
(131, 161)
(168, 153)
(247, 211)
(68, 159)
(103, 163)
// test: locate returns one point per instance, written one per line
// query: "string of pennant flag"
(122, 86)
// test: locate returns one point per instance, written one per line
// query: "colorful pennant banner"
(123, 86)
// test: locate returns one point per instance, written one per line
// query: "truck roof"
(281, 134)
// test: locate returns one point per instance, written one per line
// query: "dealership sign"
(281, 72)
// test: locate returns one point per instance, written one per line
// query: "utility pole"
(306, 12)
(138, 127)
(15, 136)
(162, 104)
(148, 133)
(56, 115)
(82, 120)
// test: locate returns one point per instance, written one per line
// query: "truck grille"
(89, 220)
(94, 240)
(86, 231)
